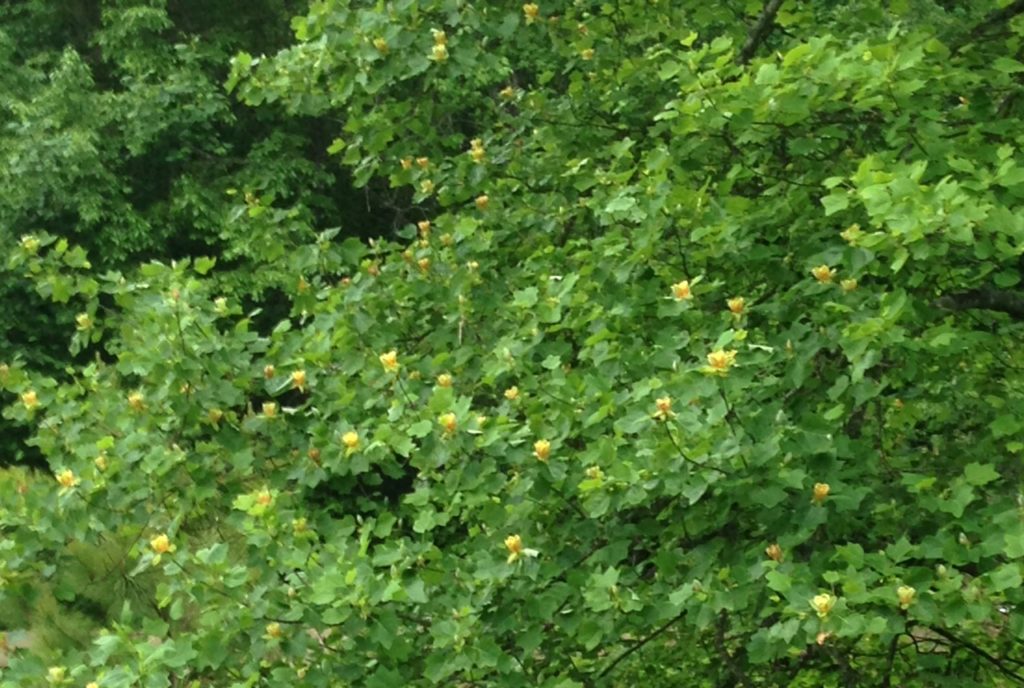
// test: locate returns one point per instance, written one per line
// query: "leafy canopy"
(697, 360)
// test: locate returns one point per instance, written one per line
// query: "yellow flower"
(664, 406)
(448, 422)
(30, 399)
(594, 473)
(427, 187)
(905, 594)
(264, 498)
(542, 449)
(214, 415)
(444, 380)
(269, 409)
(447, 239)
(406, 163)
(482, 202)
(390, 361)
(472, 265)
(350, 439)
(721, 361)
(83, 321)
(273, 630)
(823, 273)
(101, 462)
(440, 37)
(381, 45)
(507, 93)
(821, 491)
(851, 234)
(512, 393)
(736, 305)
(439, 52)
(30, 244)
(823, 604)
(56, 674)
(681, 290)
(587, 54)
(423, 163)
(299, 380)
(531, 11)
(476, 150)
(424, 264)
(774, 552)
(514, 545)
(424, 227)
(92, 684)
(268, 371)
(67, 479)
(161, 544)
(848, 285)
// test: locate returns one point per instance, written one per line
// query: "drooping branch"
(1003, 301)
(760, 31)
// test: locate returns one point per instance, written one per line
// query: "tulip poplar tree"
(696, 361)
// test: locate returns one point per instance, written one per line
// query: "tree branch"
(1000, 300)
(761, 29)
(890, 661)
(995, 661)
(626, 653)
(995, 18)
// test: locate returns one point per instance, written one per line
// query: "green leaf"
(980, 474)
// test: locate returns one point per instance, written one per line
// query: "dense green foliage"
(689, 352)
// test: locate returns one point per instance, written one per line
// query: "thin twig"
(626, 653)
(686, 458)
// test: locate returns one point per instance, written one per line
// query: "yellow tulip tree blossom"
(67, 479)
(681, 290)
(721, 360)
(823, 604)
(542, 449)
(390, 361)
(161, 544)
(823, 274)
(664, 408)
(905, 594)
